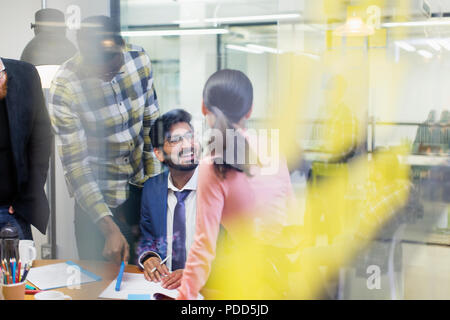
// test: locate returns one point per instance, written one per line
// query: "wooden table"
(89, 291)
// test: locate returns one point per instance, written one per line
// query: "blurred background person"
(341, 128)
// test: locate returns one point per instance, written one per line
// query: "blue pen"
(119, 277)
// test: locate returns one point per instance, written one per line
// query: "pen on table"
(119, 277)
(28, 287)
(161, 263)
(32, 291)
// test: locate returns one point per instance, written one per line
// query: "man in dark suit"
(25, 146)
(168, 209)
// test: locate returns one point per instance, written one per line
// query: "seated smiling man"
(169, 200)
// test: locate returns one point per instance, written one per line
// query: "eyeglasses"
(178, 138)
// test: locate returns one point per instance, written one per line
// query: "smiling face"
(180, 151)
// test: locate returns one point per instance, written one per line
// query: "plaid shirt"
(103, 130)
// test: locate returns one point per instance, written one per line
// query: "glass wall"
(379, 67)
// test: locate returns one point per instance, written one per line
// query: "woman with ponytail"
(231, 186)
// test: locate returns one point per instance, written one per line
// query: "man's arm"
(38, 150)
(150, 247)
(72, 148)
(41, 137)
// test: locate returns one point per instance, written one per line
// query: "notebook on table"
(135, 287)
(60, 275)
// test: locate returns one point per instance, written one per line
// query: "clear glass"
(304, 61)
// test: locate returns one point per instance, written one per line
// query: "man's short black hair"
(161, 127)
(99, 27)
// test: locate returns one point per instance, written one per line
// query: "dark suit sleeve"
(38, 151)
(149, 243)
(41, 140)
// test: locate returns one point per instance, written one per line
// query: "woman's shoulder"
(208, 171)
(206, 167)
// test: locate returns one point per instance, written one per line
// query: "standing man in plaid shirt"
(102, 105)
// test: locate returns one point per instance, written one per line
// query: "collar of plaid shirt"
(85, 71)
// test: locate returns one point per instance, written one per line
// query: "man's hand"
(161, 269)
(172, 281)
(116, 246)
(11, 210)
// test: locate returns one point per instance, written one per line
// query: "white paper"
(135, 283)
(59, 275)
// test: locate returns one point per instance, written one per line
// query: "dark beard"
(3, 87)
(181, 167)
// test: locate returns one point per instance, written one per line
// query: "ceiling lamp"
(354, 27)
(49, 48)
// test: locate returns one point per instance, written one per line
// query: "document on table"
(60, 275)
(134, 284)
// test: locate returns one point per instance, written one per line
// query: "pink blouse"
(220, 201)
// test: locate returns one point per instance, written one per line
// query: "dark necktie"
(179, 231)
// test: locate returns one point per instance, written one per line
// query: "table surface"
(89, 291)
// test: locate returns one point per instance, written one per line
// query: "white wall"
(15, 26)
(197, 61)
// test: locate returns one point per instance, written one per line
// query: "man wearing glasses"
(25, 146)
(169, 201)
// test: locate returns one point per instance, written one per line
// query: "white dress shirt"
(191, 211)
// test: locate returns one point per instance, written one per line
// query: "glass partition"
(363, 82)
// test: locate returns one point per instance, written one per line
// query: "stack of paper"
(60, 275)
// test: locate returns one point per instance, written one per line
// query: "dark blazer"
(154, 216)
(31, 141)
(154, 219)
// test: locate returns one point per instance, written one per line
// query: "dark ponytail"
(228, 94)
